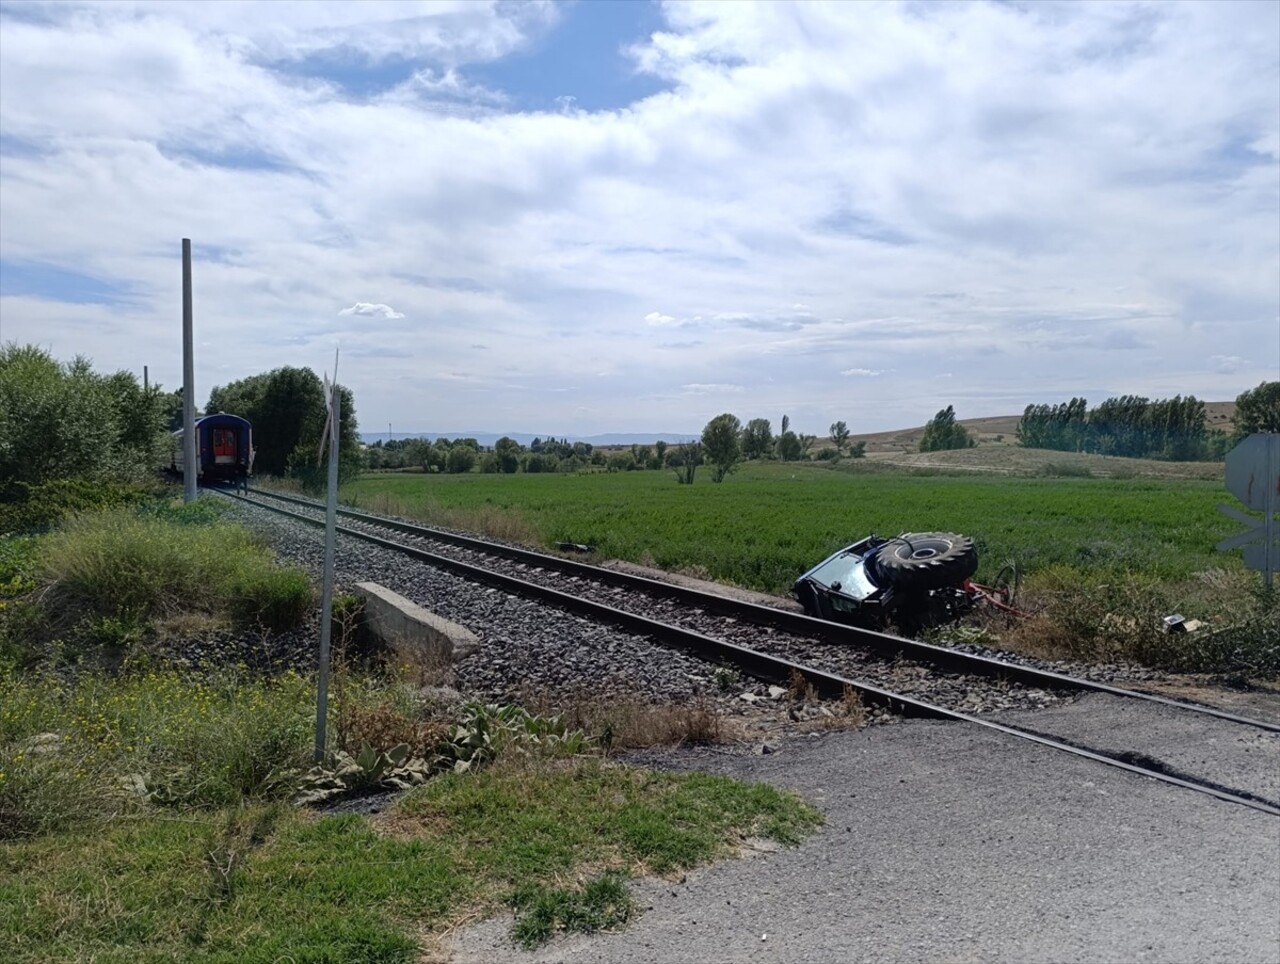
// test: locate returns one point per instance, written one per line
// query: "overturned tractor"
(912, 581)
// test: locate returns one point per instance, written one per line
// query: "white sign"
(1253, 477)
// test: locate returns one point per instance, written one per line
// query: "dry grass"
(491, 521)
(383, 727)
(1120, 619)
(418, 666)
(623, 723)
(847, 714)
(800, 690)
(1008, 458)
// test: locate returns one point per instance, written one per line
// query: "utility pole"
(333, 399)
(189, 467)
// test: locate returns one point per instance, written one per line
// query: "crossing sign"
(1253, 477)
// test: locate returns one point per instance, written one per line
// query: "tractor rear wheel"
(919, 561)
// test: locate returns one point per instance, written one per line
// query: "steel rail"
(775, 669)
(798, 624)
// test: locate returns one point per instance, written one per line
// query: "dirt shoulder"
(703, 585)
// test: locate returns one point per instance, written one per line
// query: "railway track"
(777, 646)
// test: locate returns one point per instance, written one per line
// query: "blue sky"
(577, 218)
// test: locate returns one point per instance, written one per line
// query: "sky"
(577, 218)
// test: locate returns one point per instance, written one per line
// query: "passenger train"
(224, 450)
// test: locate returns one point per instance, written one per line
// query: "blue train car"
(224, 450)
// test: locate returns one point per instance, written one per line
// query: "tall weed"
(139, 568)
(1083, 615)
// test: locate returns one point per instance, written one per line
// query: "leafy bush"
(31, 507)
(67, 422)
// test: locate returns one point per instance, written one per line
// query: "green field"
(768, 522)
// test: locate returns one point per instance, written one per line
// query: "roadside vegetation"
(149, 811)
(153, 810)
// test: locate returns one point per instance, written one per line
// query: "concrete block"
(393, 619)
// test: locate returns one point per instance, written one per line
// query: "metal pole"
(189, 466)
(330, 538)
(1270, 507)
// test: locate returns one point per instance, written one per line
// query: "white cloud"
(1012, 194)
(1226, 364)
(379, 311)
(714, 388)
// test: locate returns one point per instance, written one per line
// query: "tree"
(508, 452)
(170, 404)
(720, 442)
(944, 432)
(56, 421)
(839, 435)
(858, 450)
(413, 452)
(757, 439)
(1257, 410)
(788, 444)
(462, 459)
(789, 447)
(1061, 427)
(685, 460)
(287, 409)
(621, 462)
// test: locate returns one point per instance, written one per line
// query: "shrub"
(1065, 470)
(1091, 616)
(28, 507)
(136, 569)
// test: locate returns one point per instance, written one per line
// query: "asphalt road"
(946, 842)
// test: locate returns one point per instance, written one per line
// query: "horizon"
(605, 216)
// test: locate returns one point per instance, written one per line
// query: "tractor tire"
(920, 561)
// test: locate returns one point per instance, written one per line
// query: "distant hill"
(994, 429)
(488, 438)
(1002, 429)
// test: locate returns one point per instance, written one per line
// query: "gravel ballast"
(526, 643)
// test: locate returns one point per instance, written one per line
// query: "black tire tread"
(953, 559)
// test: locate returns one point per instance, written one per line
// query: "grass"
(98, 744)
(144, 813)
(768, 522)
(107, 581)
(136, 567)
(1102, 559)
(603, 903)
(269, 883)
(618, 723)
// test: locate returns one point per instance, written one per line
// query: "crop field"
(768, 522)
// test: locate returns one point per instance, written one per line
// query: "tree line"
(287, 409)
(70, 435)
(724, 442)
(1171, 429)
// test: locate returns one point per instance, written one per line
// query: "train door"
(224, 446)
